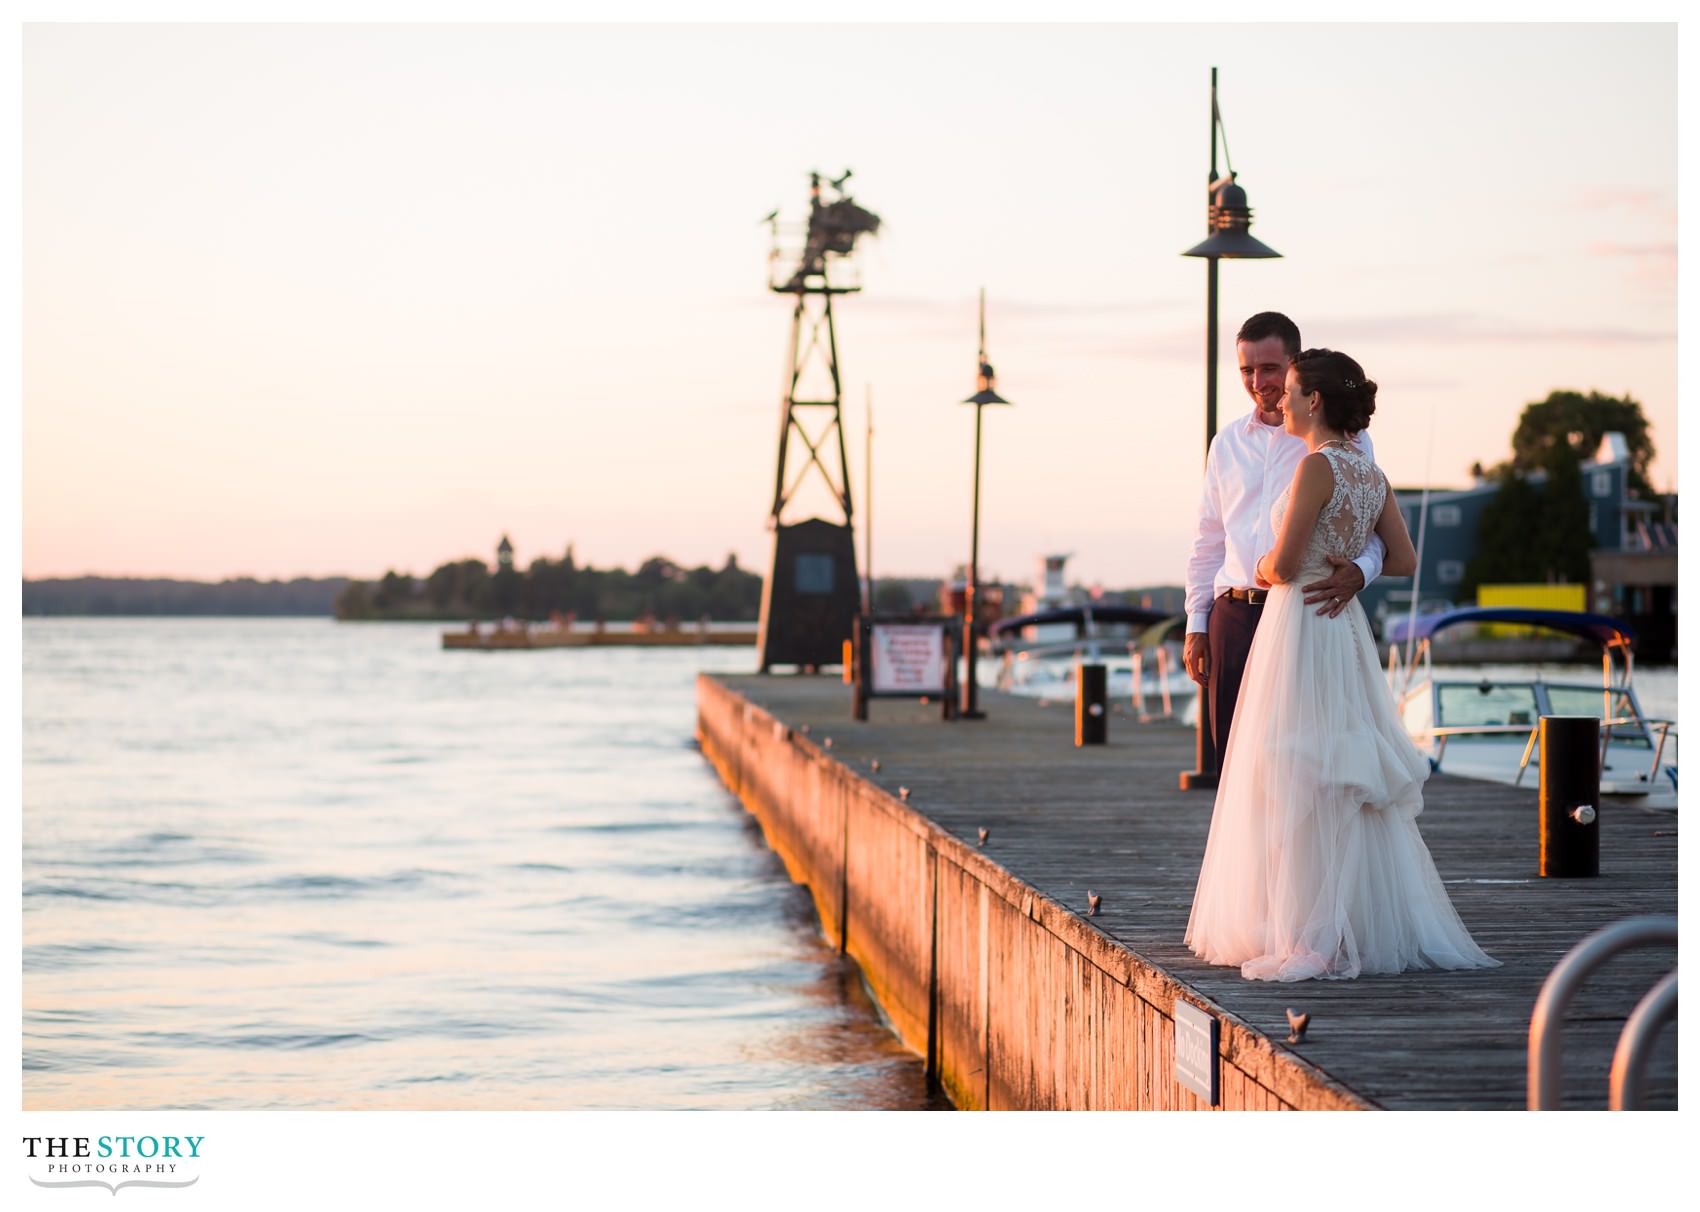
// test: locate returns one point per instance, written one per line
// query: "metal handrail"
(1665, 727)
(1140, 711)
(1101, 649)
(1137, 658)
(1546, 1024)
(1635, 1045)
(1447, 731)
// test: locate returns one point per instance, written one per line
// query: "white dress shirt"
(1249, 466)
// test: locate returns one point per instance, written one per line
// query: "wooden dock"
(985, 963)
(493, 639)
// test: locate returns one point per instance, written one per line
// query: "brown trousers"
(1232, 625)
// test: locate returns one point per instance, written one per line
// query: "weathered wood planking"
(1032, 1005)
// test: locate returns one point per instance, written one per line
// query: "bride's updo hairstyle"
(1348, 396)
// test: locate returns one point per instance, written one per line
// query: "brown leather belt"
(1253, 597)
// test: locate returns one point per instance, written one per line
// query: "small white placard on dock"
(1196, 1064)
(908, 658)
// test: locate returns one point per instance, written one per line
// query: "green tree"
(354, 602)
(617, 597)
(1575, 422)
(504, 590)
(393, 594)
(586, 596)
(1535, 530)
(892, 597)
(729, 596)
(472, 587)
(441, 585)
(1565, 537)
(540, 592)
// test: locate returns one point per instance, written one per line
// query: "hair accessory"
(1349, 382)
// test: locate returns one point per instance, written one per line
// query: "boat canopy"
(1080, 616)
(1157, 633)
(1604, 630)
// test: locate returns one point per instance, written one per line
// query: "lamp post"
(1228, 225)
(987, 394)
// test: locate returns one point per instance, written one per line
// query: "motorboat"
(1489, 726)
(1038, 652)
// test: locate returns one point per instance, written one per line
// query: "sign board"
(906, 657)
(1197, 1035)
(909, 658)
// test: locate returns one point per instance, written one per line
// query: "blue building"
(1446, 542)
(1445, 534)
(1633, 569)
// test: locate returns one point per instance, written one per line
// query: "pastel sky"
(327, 299)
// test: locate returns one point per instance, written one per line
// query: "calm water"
(286, 864)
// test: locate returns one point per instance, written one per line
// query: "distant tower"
(811, 595)
(1053, 581)
(504, 555)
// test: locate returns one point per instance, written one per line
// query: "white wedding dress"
(1314, 867)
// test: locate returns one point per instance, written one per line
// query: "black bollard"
(1091, 712)
(1570, 795)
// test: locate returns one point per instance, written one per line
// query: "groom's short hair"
(1272, 324)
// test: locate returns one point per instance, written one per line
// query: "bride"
(1314, 867)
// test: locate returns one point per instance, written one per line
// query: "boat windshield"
(1486, 704)
(1467, 705)
(1577, 700)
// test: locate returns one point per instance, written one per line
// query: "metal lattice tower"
(810, 598)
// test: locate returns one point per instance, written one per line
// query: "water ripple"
(288, 864)
(48, 956)
(337, 940)
(287, 1041)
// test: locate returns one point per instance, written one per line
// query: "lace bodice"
(1347, 520)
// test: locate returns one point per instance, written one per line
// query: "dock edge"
(1015, 1001)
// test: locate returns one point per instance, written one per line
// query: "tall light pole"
(987, 394)
(1229, 228)
(868, 506)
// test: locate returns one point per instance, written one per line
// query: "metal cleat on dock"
(1093, 900)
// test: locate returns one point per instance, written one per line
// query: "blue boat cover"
(1601, 628)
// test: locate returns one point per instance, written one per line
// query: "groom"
(1250, 463)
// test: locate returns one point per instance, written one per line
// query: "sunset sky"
(320, 299)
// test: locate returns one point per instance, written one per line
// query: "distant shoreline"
(147, 597)
(96, 597)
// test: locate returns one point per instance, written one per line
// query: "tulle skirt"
(1315, 867)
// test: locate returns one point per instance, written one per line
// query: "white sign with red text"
(909, 658)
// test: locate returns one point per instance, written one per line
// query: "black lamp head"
(1230, 226)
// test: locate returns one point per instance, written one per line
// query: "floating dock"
(494, 639)
(985, 962)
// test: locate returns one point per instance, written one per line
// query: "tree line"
(164, 596)
(471, 589)
(1536, 527)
